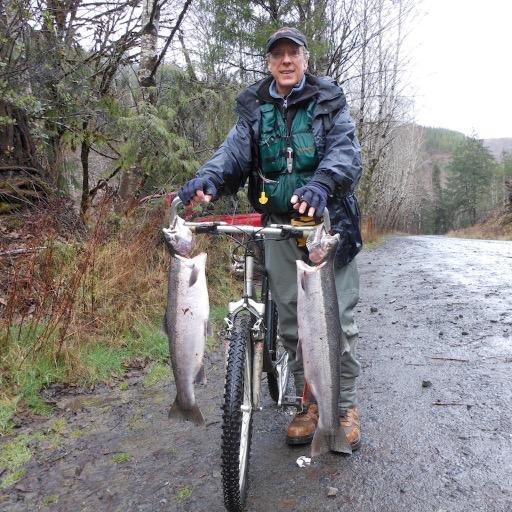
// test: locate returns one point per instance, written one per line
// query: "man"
(295, 143)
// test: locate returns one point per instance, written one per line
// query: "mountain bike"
(254, 346)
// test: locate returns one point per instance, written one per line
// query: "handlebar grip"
(205, 229)
(292, 233)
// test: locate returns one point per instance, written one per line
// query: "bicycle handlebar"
(223, 228)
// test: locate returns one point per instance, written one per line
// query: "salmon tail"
(320, 443)
(324, 442)
(193, 414)
(339, 442)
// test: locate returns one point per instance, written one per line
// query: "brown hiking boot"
(352, 427)
(303, 426)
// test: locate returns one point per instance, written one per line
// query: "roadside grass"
(8, 408)
(371, 235)
(83, 312)
(156, 373)
(497, 227)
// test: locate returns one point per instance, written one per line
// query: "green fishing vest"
(283, 171)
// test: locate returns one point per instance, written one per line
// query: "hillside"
(443, 141)
(498, 146)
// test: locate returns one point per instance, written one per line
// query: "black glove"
(188, 191)
(315, 194)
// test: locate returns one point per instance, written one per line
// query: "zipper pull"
(289, 159)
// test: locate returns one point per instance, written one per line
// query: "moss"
(120, 458)
(184, 494)
(12, 477)
(135, 421)
(49, 500)
(59, 426)
(13, 456)
(76, 433)
(15, 453)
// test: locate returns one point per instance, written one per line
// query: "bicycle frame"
(247, 302)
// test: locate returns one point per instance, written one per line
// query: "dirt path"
(433, 309)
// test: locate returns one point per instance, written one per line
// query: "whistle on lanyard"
(263, 199)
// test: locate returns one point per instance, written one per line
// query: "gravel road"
(435, 397)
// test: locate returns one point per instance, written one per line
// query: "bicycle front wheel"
(237, 415)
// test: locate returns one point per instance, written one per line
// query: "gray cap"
(287, 33)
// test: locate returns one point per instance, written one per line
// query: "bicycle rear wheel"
(237, 415)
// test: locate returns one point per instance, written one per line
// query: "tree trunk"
(16, 145)
(149, 50)
(84, 158)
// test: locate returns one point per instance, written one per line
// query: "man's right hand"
(197, 190)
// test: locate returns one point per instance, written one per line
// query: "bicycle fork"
(257, 310)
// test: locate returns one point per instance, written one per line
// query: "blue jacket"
(236, 160)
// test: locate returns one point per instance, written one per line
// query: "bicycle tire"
(237, 424)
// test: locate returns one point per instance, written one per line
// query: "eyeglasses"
(293, 54)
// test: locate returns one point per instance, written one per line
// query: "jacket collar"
(297, 95)
(325, 90)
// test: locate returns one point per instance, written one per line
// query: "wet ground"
(435, 395)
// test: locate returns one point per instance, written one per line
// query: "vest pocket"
(305, 151)
(271, 154)
(280, 191)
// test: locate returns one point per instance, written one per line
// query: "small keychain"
(263, 199)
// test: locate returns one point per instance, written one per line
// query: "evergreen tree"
(470, 177)
(439, 214)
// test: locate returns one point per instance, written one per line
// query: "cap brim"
(290, 38)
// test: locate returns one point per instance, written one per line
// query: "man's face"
(287, 65)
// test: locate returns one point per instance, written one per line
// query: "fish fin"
(193, 276)
(201, 376)
(193, 414)
(345, 347)
(303, 281)
(320, 443)
(339, 442)
(298, 351)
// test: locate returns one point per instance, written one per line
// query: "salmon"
(321, 343)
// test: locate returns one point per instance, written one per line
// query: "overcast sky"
(461, 69)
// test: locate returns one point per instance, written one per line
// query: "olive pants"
(280, 257)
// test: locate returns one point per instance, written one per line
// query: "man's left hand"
(312, 197)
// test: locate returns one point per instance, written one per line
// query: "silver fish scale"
(186, 319)
(321, 341)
